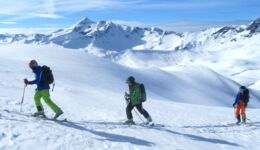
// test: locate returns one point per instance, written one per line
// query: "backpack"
(46, 76)
(143, 93)
(246, 96)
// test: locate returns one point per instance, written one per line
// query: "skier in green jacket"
(134, 100)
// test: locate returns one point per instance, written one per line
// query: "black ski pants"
(139, 107)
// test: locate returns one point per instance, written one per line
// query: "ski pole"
(53, 87)
(139, 116)
(22, 98)
(127, 102)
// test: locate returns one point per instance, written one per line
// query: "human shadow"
(12, 119)
(199, 138)
(4, 117)
(120, 138)
(210, 126)
(108, 136)
(203, 139)
(104, 123)
(257, 124)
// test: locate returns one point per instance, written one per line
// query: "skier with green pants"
(42, 91)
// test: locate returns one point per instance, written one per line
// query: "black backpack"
(46, 76)
(143, 93)
(246, 96)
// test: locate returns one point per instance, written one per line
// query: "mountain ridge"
(109, 36)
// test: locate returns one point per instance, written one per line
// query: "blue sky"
(51, 14)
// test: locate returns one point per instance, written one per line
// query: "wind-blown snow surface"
(90, 91)
(236, 60)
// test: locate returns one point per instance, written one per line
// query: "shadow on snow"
(128, 139)
(108, 136)
(120, 138)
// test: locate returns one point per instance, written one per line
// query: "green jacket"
(135, 94)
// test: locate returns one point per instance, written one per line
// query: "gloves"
(26, 82)
(126, 96)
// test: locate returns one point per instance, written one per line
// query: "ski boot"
(238, 120)
(244, 121)
(39, 114)
(129, 122)
(60, 112)
(149, 121)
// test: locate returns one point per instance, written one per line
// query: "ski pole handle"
(126, 96)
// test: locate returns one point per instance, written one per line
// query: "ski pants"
(139, 107)
(241, 109)
(46, 97)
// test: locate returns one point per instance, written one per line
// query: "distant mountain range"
(106, 37)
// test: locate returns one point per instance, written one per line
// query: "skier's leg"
(238, 111)
(243, 112)
(142, 111)
(37, 101)
(49, 102)
(129, 109)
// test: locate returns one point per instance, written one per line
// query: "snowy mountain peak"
(254, 27)
(227, 29)
(84, 21)
(105, 24)
(82, 24)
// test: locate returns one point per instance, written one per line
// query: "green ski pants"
(46, 96)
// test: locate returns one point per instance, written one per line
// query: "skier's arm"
(37, 79)
(126, 96)
(237, 99)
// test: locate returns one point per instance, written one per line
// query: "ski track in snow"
(106, 134)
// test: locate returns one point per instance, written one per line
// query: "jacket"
(38, 73)
(135, 94)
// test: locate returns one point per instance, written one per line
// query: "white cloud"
(15, 10)
(52, 16)
(14, 7)
(7, 22)
(184, 26)
(26, 30)
(131, 23)
(24, 9)
(177, 4)
(49, 6)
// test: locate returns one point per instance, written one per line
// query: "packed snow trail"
(181, 133)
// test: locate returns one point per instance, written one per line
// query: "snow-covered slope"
(238, 61)
(90, 91)
(99, 73)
